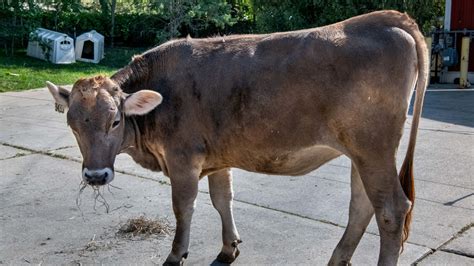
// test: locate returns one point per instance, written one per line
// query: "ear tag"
(59, 108)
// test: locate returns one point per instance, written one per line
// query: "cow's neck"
(130, 135)
(135, 76)
(133, 144)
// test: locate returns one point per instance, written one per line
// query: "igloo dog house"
(90, 47)
(47, 43)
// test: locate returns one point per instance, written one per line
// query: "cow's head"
(96, 110)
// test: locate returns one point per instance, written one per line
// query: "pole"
(429, 42)
(463, 83)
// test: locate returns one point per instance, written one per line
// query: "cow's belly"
(292, 163)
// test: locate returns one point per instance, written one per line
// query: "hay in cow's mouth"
(142, 226)
(97, 195)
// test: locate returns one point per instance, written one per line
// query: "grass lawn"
(21, 72)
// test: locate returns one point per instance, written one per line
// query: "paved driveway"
(282, 220)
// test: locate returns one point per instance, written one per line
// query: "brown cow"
(282, 103)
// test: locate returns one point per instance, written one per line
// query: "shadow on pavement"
(456, 107)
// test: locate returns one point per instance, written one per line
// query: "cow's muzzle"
(97, 177)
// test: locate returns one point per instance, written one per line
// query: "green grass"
(20, 72)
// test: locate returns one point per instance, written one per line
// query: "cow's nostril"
(97, 177)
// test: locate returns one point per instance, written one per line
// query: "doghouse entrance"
(88, 50)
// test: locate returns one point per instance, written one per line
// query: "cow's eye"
(116, 120)
(116, 123)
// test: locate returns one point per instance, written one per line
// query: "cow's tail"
(406, 171)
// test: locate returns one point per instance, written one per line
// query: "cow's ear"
(60, 95)
(141, 102)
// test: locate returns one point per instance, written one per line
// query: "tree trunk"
(22, 39)
(112, 13)
(13, 34)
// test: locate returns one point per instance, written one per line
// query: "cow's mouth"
(97, 195)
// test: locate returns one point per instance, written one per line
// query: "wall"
(462, 17)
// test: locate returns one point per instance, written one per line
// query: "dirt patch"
(144, 227)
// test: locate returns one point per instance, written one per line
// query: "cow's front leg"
(184, 189)
(220, 188)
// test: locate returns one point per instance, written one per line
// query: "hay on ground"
(142, 226)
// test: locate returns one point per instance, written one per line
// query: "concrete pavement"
(282, 220)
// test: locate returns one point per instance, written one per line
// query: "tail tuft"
(408, 185)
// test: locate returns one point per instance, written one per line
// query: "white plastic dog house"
(90, 47)
(57, 46)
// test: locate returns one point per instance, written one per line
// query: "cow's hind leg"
(390, 203)
(220, 188)
(360, 214)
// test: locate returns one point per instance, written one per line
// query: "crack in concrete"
(62, 148)
(18, 147)
(51, 153)
(295, 214)
(23, 97)
(442, 183)
(449, 204)
(441, 247)
(457, 252)
(416, 179)
(19, 154)
(441, 203)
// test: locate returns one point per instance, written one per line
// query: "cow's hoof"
(176, 263)
(229, 258)
(226, 258)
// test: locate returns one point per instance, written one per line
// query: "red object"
(462, 17)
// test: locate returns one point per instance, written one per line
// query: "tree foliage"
(296, 14)
(193, 16)
(149, 22)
